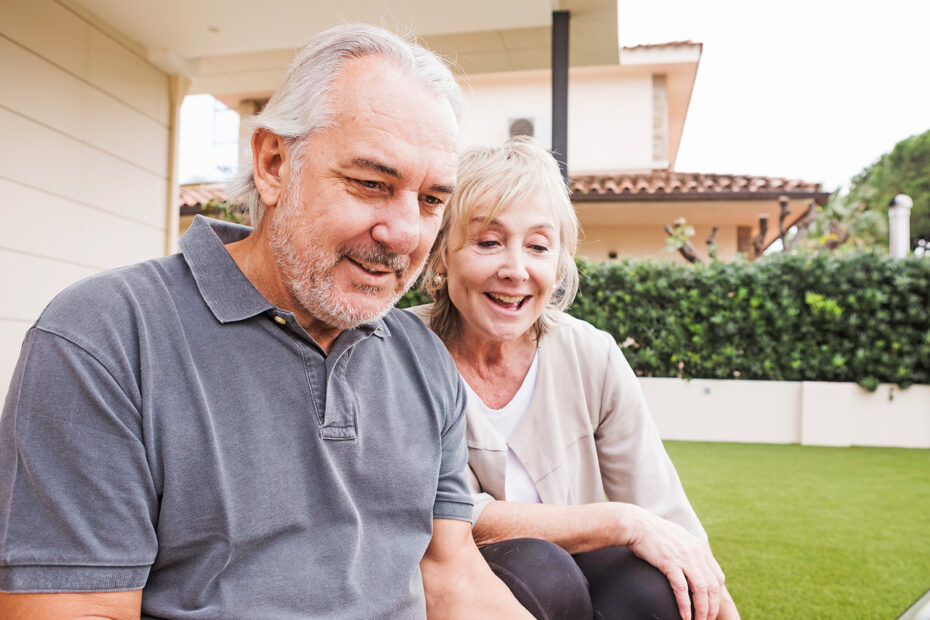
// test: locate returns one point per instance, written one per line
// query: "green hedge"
(861, 317)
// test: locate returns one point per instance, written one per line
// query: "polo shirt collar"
(223, 286)
(225, 289)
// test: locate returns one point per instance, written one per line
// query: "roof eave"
(819, 197)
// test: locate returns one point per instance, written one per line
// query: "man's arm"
(77, 606)
(458, 583)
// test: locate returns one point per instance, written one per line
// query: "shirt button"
(280, 320)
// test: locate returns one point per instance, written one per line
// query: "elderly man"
(246, 429)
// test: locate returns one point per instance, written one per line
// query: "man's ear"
(269, 165)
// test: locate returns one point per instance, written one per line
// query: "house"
(625, 122)
(92, 89)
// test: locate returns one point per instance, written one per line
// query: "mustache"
(377, 254)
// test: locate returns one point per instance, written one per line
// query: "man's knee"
(543, 577)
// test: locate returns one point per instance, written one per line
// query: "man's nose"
(398, 224)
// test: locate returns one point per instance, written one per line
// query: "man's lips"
(372, 269)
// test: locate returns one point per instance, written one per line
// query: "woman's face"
(501, 278)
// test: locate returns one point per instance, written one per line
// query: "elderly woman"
(556, 420)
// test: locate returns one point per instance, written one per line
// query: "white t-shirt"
(518, 485)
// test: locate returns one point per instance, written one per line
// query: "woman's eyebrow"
(478, 219)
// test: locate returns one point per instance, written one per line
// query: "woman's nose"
(513, 268)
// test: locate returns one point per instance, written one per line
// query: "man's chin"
(359, 308)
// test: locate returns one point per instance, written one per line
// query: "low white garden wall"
(805, 412)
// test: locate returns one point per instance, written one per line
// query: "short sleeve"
(77, 502)
(453, 498)
(634, 465)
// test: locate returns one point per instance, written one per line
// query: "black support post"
(560, 22)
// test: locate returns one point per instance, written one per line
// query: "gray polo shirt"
(169, 429)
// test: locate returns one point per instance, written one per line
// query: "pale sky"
(808, 89)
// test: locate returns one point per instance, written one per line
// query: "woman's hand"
(684, 558)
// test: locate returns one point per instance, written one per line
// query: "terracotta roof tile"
(643, 46)
(671, 185)
(195, 196)
(655, 185)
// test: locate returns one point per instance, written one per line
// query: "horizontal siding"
(79, 48)
(38, 156)
(84, 159)
(11, 339)
(34, 280)
(38, 223)
(77, 109)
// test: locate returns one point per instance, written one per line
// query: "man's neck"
(253, 257)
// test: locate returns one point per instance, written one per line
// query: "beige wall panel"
(128, 77)
(70, 105)
(11, 341)
(47, 27)
(56, 228)
(38, 223)
(66, 40)
(109, 242)
(33, 282)
(37, 156)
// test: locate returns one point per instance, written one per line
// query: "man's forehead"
(375, 87)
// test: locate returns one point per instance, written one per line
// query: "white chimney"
(899, 225)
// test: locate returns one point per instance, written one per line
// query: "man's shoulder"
(406, 324)
(113, 296)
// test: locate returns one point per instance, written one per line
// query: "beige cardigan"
(587, 435)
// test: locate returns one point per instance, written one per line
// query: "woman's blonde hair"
(496, 178)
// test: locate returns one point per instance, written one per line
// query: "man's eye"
(365, 183)
(431, 200)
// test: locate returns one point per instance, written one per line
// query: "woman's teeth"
(507, 300)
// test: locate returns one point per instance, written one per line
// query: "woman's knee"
(542, 576)
(623, 585)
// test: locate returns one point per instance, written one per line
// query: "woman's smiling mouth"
(510, 302)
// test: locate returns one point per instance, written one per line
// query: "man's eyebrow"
(370, 164)
(376, 166)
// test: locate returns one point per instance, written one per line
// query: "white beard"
(308, 271)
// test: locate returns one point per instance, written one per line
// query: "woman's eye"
(539, 248)
(487, 243)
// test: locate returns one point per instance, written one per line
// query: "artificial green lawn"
(811, 532)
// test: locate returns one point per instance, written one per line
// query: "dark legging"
(605, 584)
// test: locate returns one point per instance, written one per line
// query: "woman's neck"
(494, 370)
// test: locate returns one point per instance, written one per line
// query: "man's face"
(358, 213)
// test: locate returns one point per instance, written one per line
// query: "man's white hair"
(302, 105)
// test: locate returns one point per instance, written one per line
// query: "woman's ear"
(269, 165)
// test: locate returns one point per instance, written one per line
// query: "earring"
(439, 280)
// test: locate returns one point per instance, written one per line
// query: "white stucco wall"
(83, 161)
(621, 139)
(815, 413)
